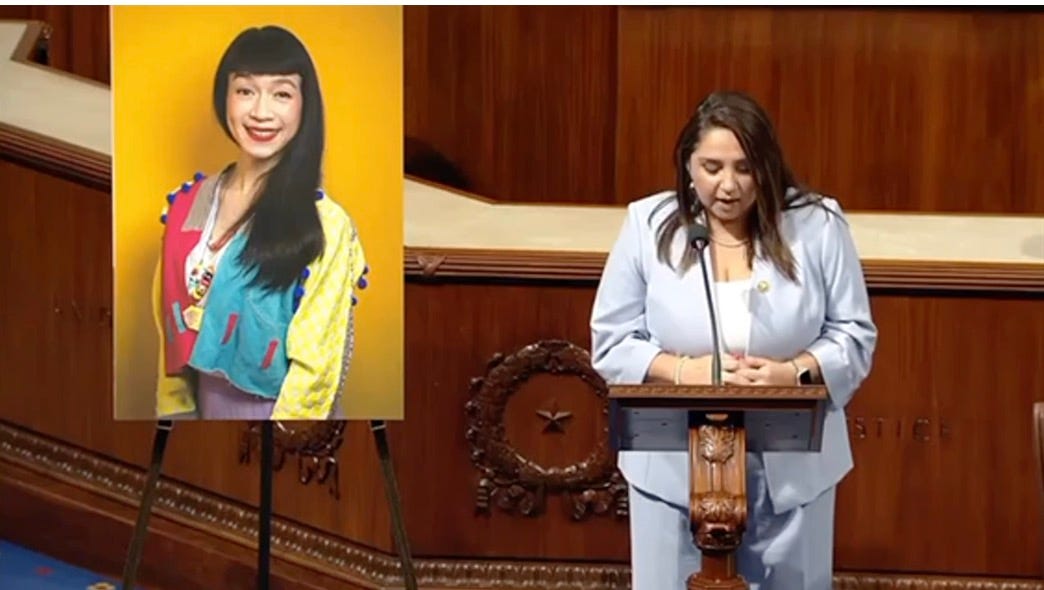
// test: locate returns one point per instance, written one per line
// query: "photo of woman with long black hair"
(254, 292)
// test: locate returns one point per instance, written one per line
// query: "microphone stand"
(699, 238)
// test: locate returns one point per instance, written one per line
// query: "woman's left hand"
(763, 371)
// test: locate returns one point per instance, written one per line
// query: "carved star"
(554, 417)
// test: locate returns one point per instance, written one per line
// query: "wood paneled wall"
(901, 110)
(519, 97)
(887, 109)
(893, 109)
(940, 435)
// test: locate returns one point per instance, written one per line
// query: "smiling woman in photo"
(255, 287)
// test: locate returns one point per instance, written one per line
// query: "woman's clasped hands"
(737, 370)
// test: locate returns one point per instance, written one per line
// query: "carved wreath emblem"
(517, 483)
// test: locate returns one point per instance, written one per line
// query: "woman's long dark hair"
(285, 233)
(743, 116)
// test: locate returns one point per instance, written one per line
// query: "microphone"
(699, 238)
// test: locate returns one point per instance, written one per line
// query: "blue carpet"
(22, 569)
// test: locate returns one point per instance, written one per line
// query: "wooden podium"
(717, 425)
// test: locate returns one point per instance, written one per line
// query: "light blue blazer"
(642, 307)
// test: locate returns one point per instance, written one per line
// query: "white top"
(733, 309)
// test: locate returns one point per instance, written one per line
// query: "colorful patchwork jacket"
(293, 345)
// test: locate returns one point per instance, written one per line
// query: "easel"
(264, 545)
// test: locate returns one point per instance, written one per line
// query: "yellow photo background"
(165, 130)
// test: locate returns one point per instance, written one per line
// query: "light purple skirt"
(218, 399)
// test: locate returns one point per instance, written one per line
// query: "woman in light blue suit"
(792, 308)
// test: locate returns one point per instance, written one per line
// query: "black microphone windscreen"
(698, 235)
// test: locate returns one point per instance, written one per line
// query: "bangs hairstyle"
(741, 115)
(285, 233)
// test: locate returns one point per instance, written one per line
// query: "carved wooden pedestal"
(718, 498)
(716, 425)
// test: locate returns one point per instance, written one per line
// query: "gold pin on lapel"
(763, 286)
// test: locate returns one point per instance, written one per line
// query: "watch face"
(805, 377)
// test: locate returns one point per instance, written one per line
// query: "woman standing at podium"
(792, 308)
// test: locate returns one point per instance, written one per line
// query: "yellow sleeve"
(174, 395)
(318, 342)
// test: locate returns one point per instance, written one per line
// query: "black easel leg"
(391, 488)
(264, 526)
(148, 496)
